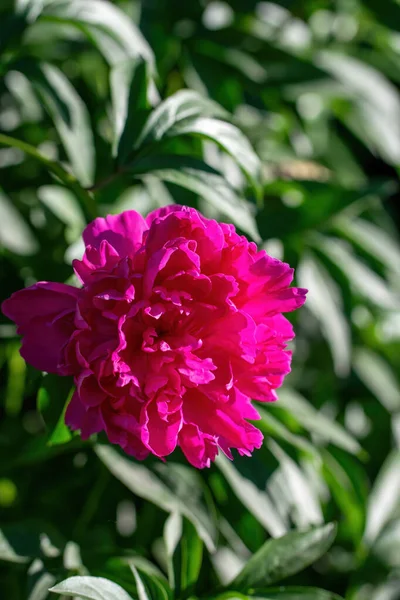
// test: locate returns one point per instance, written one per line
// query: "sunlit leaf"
(305, 506)
(90, 588)
(103, 23)
(272, 426)
(39, 581)
(282, 557)
(228, 137)
(184, 551)
(149, 587)
(362, 279)
(146, 484)
(182, 106)
(204, 181)
(347, 493)
(64, 205)
(316, 422)
(71, 119)
(374, 240)
(129, 82)
(15, 234)
(378, 377)
(8, 552)
(23, 541)
(255, 500)
(325, 303)
(384, 497)
(378, 102)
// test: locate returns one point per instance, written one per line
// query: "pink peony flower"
(176, 327)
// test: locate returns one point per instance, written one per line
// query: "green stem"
(104, 182)
(87, 200)
(92, 502)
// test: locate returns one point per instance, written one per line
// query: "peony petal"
(88, 421)
(161, 213)
(160, 435)
(220, 420)
(44, 314)
(200, 449)
(124, 232)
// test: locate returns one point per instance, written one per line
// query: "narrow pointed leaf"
(184, 552)
(70, 117)
(182, 106)
(229, 138)
(285, 556)
(104, 24)
(384, 497)
(204, 181)
(316, 422)
(90, 588)
(129, 82)
(146, 484)
(255, 500)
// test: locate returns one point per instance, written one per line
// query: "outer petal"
(88, 421)
(124, 232)
(161, 213)
(44, 316)
(160, 435)
(221, 420)
(200, 449)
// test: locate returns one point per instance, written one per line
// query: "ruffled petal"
(124, 232)
(200, 449)
(160, 431)
(44, 314)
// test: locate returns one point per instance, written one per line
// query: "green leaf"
(295, 490)
(15, 234)
(343, 480)
(229, 138)
(104, 24)
(296, 593)
(285, 556)
(376, 114)
(182, 106)
(362, 278)
(315, 422)
(146, 484)
(378, 377)
(52, 401)
(149, 587)
(20, 542)
(8, 552)
(271, 426)
(86, 199)
(63, 204)
(184, 552)
(375, 240)
(384, 497)
(39, 581)
(325, 302)
(204, 181)
(90, 588)
(255, 500)
(129, 82)
(70, 117)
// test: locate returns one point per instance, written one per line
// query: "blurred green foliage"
(289, 128)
